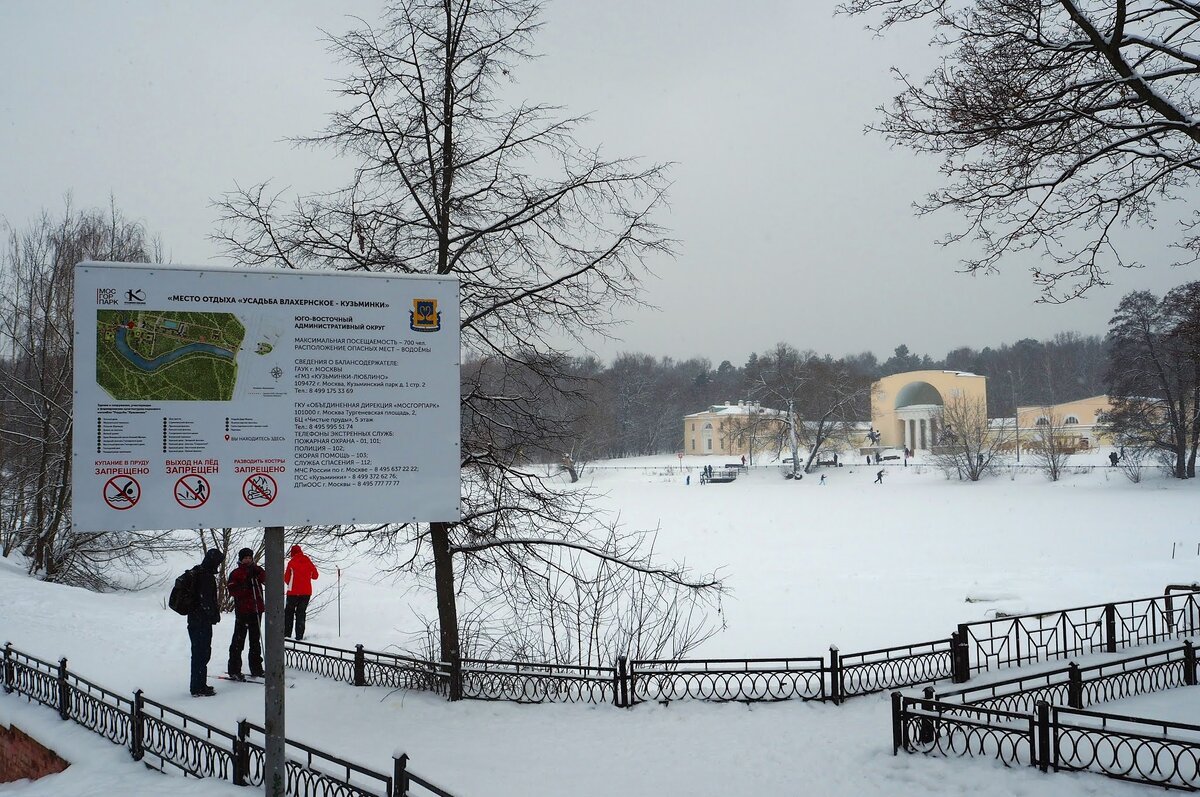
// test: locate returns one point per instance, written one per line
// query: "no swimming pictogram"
(259, 489)
(192, 491)
(122, 492)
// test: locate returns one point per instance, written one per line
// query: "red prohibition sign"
(192, 491)
(259, 489)
(122, 492)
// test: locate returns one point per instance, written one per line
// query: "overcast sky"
(793, 224)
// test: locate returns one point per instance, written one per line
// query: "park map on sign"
(160, 355)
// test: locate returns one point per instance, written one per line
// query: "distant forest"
(635, 405)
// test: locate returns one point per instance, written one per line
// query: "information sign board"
(223, 397)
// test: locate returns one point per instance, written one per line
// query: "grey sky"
(793, 224)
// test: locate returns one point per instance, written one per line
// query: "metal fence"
(169, 740)
(1053, 739)
(1128, 748)
(921, 725)
(1079, 687)
(1062, 634)
(722, 680)
(1022, 722)
(974, 647)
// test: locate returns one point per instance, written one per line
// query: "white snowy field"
(850, 563)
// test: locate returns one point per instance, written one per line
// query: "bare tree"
(1132, 461)
(1154, 374)
(545, 236)
(967, 441)
(827, 396)
(36, 298)
(1057, 121)
(1050, 445)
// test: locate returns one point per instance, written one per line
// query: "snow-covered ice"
(848, 563)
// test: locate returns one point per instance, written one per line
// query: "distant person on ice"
(1113, 459)
(203, 616)
(246, 588)
(879, 477)
(298, 575)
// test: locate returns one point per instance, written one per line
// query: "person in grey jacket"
(204, 615)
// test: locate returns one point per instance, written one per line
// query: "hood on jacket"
(296, 551)
(212, 559)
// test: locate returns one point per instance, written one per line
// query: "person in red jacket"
(246, 588)
(298, 575)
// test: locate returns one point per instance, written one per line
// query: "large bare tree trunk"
(443, 569)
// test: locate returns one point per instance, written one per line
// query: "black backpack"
(183, 594)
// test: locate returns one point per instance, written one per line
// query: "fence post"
(898, 723)
(241, 753)
(1189, 663)
(960, 656)
(9, 675)
(64, 695)
(360, 666)
(1110, 628)
(136, 731)
(400, 775)
(1074, 686)
(621, 688)
(927, 732)
(835, 675)
(1042, 756)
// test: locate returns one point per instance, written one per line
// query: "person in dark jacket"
(298, 576)
(204, 615)
(246, 589)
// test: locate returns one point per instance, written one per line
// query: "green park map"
(159, 355)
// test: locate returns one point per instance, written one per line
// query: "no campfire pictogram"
(122, 492)
(259, 489)
(192, 491)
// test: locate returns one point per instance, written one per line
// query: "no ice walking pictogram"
(259, 489)
(122, 492)
(192, 491)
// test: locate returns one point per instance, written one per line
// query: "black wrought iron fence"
(972, 648)
(35, 679)
(1079, 687)
(931, 727)
(525, 682)
(167, 739)
(1052, 738)
(870, 671)
(340, 664)
(724, 680)
(1062, 634)
(171, 740)
(1127, 748)
(309, 771)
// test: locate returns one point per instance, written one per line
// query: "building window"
(709, 441)
(1042, 421)
(1071, 421)
(693, 444)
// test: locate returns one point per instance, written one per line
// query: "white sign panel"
(217, 397)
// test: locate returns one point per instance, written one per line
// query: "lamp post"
(1016, 415)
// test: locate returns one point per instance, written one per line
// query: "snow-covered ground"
(850, 563)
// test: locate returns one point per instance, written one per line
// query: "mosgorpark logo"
(135, 296)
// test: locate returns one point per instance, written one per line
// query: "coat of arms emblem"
(425, 316)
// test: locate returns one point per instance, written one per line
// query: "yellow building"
(734, 429)
(906, 408)
(1078, 421)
